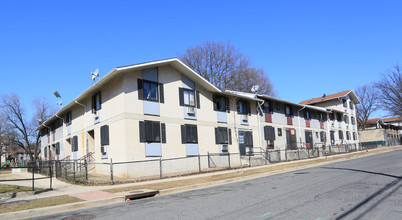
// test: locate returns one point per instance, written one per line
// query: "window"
(307, 114)
(221, 103)
(223, 135)
(332, 116)
(74, 145)
(278, 107)
(243, 107)
(346, 119)
(344, 102)
(339, 117)
(323, 117)
(150, 131)
(340, 135)
(269, 133)
(323, 136)
(96, 102)
(354, 135)
(316, 135)
(351, 105)
(267, 107)
(189, 98)
(279, 131)
(352, 120)
(248, 138)
(347, 135)
(150, 91)
(45, 152)
(288, 111)
(68, 118)
(189, 134)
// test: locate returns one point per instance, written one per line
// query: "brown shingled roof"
(326, 98)
(392, 119)
(372, 121)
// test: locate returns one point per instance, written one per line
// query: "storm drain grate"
(80, 217)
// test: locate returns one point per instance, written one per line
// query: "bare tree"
(225, 67)
(390, 91)
(21, 131)
(368, 96)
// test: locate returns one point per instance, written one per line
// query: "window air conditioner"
(244, 118)
(224, 148)
(191, 110)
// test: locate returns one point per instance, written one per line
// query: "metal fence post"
(199, 163)
(51, 174)
(209, 163)
(86, 171)
(286, 155)
(33, 177)
(249, 159)
(111, 172)
(229, 160)
(65, 170)
(73, 171)
(298, 154)
(160, 168)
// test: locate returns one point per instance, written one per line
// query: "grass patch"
(38, 203)
(6, 188)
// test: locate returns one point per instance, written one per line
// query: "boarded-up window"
(150, 131)
(223, 135)
(340, 135)
(189, 134)
(57, 148)
(74, 145)
(269, 133)
(104, 135)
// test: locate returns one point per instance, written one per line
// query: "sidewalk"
(89, 196)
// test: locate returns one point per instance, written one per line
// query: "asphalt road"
(364, 188)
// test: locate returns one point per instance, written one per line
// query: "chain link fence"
(110, 172)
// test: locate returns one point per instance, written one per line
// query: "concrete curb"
(88, 204)
(60, 208)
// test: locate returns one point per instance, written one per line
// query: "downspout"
(85, 125)
(62, 131)
(298, 117)
(259, 124)
(49, 138)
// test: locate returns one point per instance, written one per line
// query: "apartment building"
(342, 123)
(163, 109)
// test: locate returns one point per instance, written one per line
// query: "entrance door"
(242, 145)
(332, 135)
(309, 139)
(291, 139)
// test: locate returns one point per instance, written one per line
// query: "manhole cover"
(80, 217)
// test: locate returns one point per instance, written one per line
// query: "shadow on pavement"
(374, 195)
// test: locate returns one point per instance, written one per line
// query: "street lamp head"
(57, 94)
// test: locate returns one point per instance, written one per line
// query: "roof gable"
(325, 98)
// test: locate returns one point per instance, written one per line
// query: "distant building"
(386, 132)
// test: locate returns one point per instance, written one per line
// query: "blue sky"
(307, 48)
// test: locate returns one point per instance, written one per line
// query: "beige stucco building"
(164, 109)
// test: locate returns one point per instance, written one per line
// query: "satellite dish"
(95, 74)
(255, 88)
